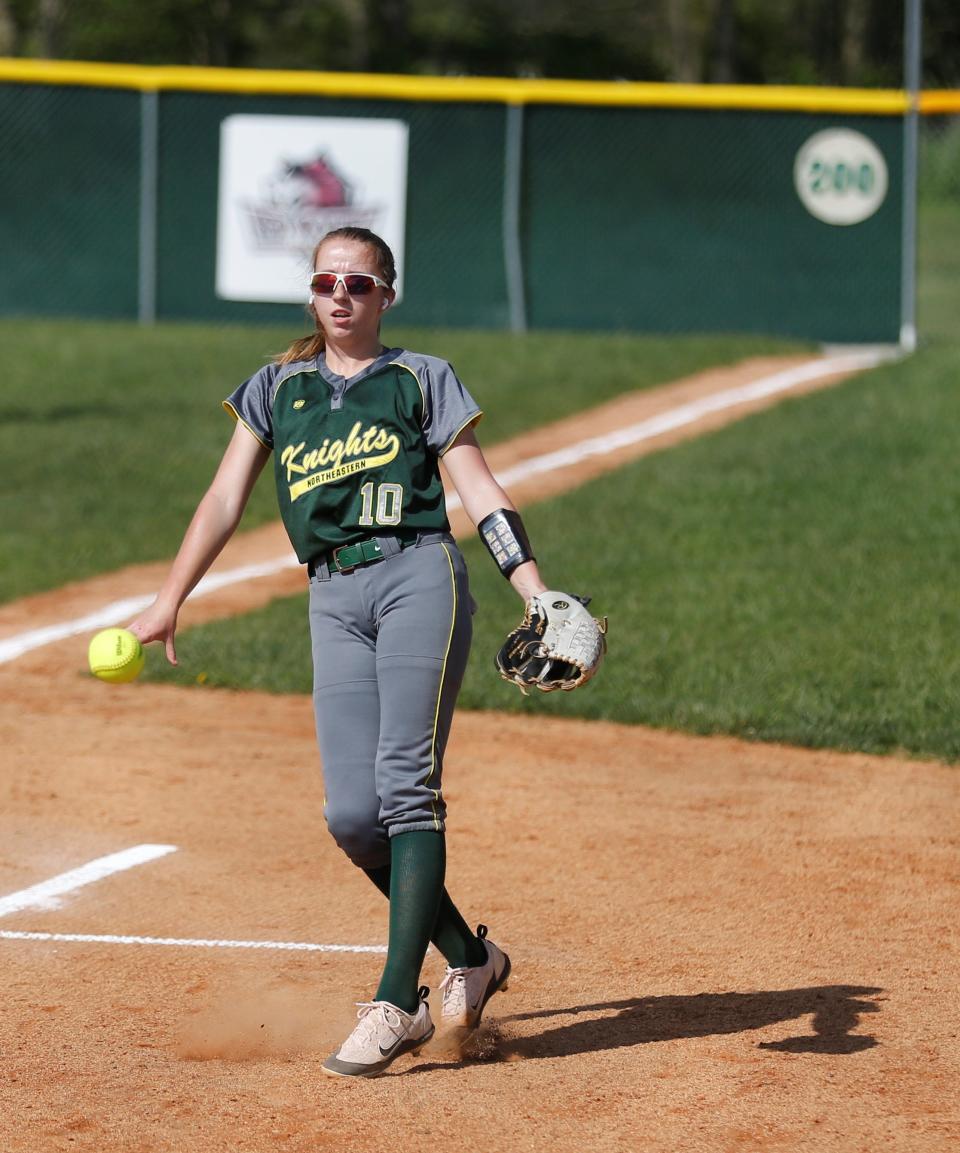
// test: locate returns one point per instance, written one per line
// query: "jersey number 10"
(384, 508)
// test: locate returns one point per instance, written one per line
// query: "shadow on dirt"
(835, 1011)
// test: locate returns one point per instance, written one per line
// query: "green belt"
(350, 556)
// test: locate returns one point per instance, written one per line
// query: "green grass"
(938, 240)
(789, 578)
(109, 433)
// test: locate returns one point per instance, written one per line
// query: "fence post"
(913, 23)
(512, 193)
(147, 240)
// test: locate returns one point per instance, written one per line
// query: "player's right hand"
(157, 623)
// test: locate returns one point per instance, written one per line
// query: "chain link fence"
(940, 159)
(69, 200)
(453, 275)
(690, 220)
(555, 215)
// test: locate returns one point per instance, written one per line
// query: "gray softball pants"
(390, 644)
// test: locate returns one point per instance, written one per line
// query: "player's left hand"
(558, 645)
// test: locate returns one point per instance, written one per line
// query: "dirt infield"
(716, 945)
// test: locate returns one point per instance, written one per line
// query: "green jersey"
(356, 457)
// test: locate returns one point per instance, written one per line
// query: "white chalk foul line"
(17, 646)
(123, 610)
(695, 410)
(46, 895)
(111, 939)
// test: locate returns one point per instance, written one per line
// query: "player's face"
(342, 314)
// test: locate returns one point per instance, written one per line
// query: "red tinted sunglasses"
(356, 283)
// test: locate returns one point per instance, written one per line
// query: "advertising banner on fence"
(286, 180)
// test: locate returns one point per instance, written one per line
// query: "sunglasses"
(356, 283)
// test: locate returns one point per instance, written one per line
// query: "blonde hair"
(310, 346)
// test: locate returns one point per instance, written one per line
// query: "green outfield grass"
(937, 289)
(789, 578)
(109, 433)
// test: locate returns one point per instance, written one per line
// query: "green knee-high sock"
(451, 934)
(417, 864)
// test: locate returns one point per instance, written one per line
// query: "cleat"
(382, 1034)
(466, 991)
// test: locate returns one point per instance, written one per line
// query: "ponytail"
(304, 348)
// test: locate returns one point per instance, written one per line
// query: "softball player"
(356, 431)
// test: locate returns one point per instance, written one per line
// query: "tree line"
(839, 42)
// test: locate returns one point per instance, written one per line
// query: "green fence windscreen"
(689, 220)
(639, 218)
(453, 272)
(69, 200)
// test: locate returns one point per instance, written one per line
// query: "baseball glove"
(558, 645)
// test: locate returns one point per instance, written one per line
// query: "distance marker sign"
(840, 176)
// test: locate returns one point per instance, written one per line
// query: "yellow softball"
(116, 655)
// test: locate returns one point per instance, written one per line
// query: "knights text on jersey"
(359, 457)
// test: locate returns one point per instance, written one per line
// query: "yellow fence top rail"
(939, 102)
(359, 85)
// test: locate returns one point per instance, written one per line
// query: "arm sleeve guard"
(504, 535)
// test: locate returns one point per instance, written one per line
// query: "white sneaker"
(466, 991)
(382, 1034)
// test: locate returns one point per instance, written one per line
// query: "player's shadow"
(834, 1010)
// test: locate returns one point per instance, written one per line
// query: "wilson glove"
(558, 645)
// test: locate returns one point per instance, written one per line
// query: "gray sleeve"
(252, 404)
(448, 407)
